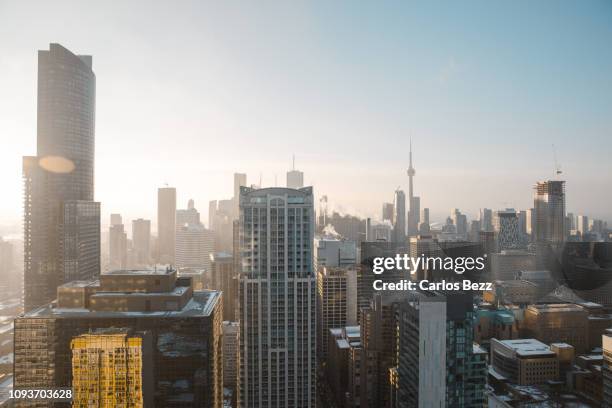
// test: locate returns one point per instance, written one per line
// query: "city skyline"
(189, 130)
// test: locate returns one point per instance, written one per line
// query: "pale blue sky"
(188, 93)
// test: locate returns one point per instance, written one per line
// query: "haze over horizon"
(192, 94)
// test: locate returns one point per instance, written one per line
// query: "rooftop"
(556, 308)
(527, 347)
(201, 304)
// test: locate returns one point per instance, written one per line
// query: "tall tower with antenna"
(414, 203)
(295, 178)
(411, 173)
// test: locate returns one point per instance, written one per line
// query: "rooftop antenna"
(275, 180)
(293, 162)
(260, 180)
(558, 170)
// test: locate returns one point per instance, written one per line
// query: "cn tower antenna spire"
(411, 173)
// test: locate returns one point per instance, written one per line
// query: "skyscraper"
(277, 298)
(336, 302)
(59, 180)
(438, 364)
(507, 228)
(399, 217)
(486, 219)
(240, 180)
(166, 224)
(117, 253)
(141, 243)
(295, 178)
(387, 212)
(224, 279)
(549, 205)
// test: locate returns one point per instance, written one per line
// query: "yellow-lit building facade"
(109, 369)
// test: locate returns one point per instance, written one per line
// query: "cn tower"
(411, 173)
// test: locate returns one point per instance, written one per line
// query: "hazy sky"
(189, 92)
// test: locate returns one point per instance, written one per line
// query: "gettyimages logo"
(404, 262)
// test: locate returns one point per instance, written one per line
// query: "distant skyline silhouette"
(188, 94)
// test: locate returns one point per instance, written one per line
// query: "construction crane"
(558, 170)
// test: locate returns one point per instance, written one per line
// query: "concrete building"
(553, 323)
(387, 212)
(507, 228)
(185, 325)
(399, 217)
(118, 244)
(506, 264)
(231, 350)
(295, 178)
(277, 298)
(194, 245)
(607, 369)
(189, 215)
(166, 224)
(486, 219)
(438, 364)
(59, 180)
(225, 279)
(378, 327)
(336, 302)
(342, 371)
(524, 361)
(334, 252)
(240, 180)
(141, 243)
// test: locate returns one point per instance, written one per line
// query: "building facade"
(185, 327)
(59, 180)
(277, 298)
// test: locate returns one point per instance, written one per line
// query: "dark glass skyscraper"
(61, 221)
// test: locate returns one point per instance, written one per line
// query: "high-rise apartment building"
(59, 180)
(507, 228)
(185, 326)
(166, 224)
(112, 368)
(277, 298)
